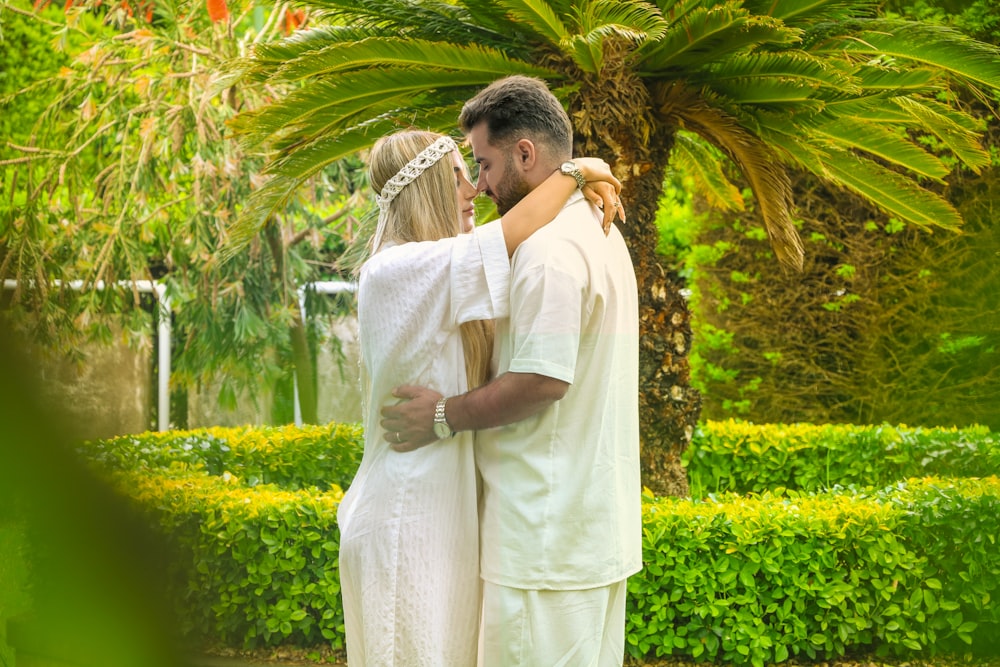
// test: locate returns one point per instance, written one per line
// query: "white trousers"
(530, 628)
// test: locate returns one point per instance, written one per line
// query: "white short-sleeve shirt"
(561, 504)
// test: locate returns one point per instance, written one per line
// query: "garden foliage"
(741, 457)
(757, 580)
(251, 514)
(798, 568)
(885, 322)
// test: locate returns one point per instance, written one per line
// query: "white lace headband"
(410, 171)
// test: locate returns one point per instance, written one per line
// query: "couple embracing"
(496, 513)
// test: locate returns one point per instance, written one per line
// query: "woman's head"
(420, 201)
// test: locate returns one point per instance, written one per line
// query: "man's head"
(519, 133)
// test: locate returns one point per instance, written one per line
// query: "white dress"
(409, 543)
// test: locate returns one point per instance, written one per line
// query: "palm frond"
(707, 35)
(398, 52)
(593, 24)
(939, 47)
(810, 11)
(871, 108)
(336, 103)
(955, 130)
(793, 66)
(637, 19)
(777, 79)
(770, 93)
(892, 192)
(427, 19)
(890, 146)
(763, 170)
(585, 51)
(873, 78)
(695, 158)
(306, 41)
(538, 17)
(792, 145)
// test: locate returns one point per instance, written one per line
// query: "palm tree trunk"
(668, 406)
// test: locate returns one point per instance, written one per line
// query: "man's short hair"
(518, 106)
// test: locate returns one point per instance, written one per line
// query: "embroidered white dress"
(409, 544)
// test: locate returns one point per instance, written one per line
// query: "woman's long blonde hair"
(427, 210)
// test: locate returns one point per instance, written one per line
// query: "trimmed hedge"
(255, 567)
(735, 579)
(251, 514)
(740, 457)
(287, 456)
(761, 579)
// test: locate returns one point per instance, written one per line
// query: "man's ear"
(525, 154)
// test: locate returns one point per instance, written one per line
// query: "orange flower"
(217, 10)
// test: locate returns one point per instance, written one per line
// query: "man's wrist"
(569, 168)
(442, 429)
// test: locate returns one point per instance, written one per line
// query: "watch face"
(442, 430)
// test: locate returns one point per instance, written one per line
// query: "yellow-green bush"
(290, 457)
(251, 515)
(755, 580)
(742, 457)
(256, 566)
(908, 567)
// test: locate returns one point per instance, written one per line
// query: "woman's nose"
(469, 191)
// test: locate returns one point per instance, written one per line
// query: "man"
(560, 518)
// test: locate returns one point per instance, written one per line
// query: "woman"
(409, 546)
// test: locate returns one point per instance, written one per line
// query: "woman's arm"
(542, 204)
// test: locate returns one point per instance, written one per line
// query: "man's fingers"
(406, 391)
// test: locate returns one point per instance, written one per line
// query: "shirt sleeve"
(545, 327)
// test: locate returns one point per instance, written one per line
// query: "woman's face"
(466, 193)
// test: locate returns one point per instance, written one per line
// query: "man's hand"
(409, 424)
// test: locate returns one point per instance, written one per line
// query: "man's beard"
(512, 189)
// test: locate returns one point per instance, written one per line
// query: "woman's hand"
(602, 188)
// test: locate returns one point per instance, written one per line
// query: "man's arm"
(509, 398)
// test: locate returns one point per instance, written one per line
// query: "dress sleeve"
(480, 275)
(468, 275)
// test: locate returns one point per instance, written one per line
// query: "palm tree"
(825, 86)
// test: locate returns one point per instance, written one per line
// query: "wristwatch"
(570, 169)
(441, 428)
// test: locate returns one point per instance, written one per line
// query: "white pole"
(163, 359)
(297, 406)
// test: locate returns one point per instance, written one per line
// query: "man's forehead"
(478, 137)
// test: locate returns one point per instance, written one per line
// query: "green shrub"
(287, 456)
(255, 566)
(906, 568)
(251, 515)
(762, 579)
(740, 457)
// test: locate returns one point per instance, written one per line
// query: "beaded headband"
(410, 171)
